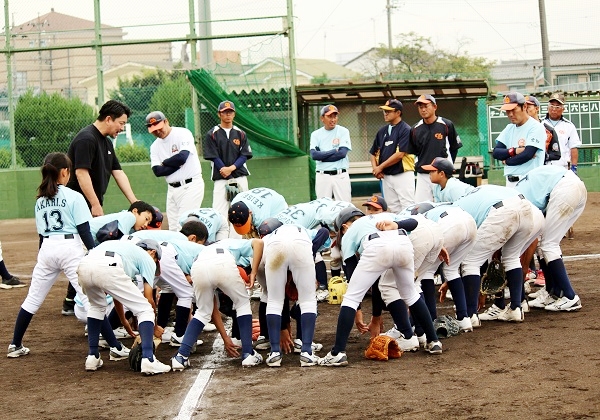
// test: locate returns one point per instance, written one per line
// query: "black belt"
(444, 214)
(500, 203)
(376, 235)
(66, 236)
(179, 184)
(339, 171)
(220, 251)
(109, 254)
(513, 178)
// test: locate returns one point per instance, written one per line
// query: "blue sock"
(560, 278)
(245, 328)
(344, 327)
(548, 276)
(499, 300)
(262, 319)
(94, 326)
(193, 330)
(458, 296)
(399, 313)
(21, 324)
(428, 287)
(3, 271)
(514, 279)
(321, 272)
(146, 330)
(181, 320)
(309, 320)
(108, 334)
(472, 284)
(274, 326)
(113, 318)
(421, 314)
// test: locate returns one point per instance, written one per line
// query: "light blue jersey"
(537, 185)
(479, 201)
(326, 140)
(352, 241)
(262, 202)
(532, 133)
(327, 210)
(126, 220)
(453, 191)
(212, 219)
(136, 261)
(303, 214)
(62, 213)
(187, 252)
(241, 249)
(159, 235)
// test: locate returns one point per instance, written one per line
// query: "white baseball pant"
(399, 191)
(184, 199)
(336, 186)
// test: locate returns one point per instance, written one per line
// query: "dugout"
(358, 103)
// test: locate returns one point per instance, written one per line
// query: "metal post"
(98, 47)
(196, 110)
(545, 48)
(9, 75)
(204, 29)
(389, 22)
(292, 58)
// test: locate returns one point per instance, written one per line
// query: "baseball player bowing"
(110, 268)
(378, 251)
(62, 219)
(216, 224)
(216, 267)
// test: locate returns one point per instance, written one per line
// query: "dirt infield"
(544, 368)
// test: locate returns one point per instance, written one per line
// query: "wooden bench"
(361, 172)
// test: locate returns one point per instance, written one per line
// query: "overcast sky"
(495, 29)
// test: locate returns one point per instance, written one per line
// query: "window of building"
(517, 87)
(567, 79)
(20, 79)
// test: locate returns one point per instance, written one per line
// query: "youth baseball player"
(139, 215)
(227, 147)
(250, 208)
(216, 267)
(173, 155)
(8, 280)
(329, 147)
(561, 195)
(215, 222)
(379, 251)
(110, 268)
(446, 188)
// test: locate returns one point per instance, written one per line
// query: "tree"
(172, 97)
(417, 57)
(47, 123)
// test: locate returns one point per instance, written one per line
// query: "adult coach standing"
(521, 146)
(94, 162)
(173, 155)
(390, 161)
(431, 137)
(568, 139)
(329, 147)
(227, 147)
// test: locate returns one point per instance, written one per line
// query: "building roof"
(58, 22)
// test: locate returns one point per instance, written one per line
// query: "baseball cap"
(225, 105)
(378, 202)
(392, 105)
(512, 100)
(425, 99)
(346, 214)
(239, 216)
(557, 96)
(151, 244)
(268, 226)
(156, 222)
(155, 121)
(532, 100)
(440, 164)
(328, 110)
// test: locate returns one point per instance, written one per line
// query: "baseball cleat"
(330, 360)
(298, 346)
(178, 362)
(92, 363)
(465, 324)
(254, 359)
(274, 359)
(14, 351)
(434, 347)
(491, 314)
(154, 367)
(209, 327)
(512, 315)
(308, 359)
(116, 354)
(408, 344)
(262, 343)
(564, 304)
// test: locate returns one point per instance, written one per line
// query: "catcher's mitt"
(494, 279)
(232, 189)
(337, 287)
(383, 347)
(446, 326)
(135, 354)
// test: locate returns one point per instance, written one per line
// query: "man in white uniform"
(173, 155)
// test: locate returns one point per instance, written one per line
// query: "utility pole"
(389, 8)
(99, 60)
(545, 49)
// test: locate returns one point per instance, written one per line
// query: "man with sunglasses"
(173, 155)
(391, 162)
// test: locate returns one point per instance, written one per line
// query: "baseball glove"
(135, 354)
(446, 326)
(337, 287)
(232, 189)
(383, 347)
(255, 329)
(494, 279)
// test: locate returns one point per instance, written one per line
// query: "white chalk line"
(581, 257)
(211, 362)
